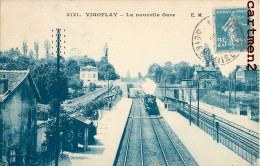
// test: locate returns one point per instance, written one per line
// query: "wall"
(88, 76)
(41, 136)
(18, 131)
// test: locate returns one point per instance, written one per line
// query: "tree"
(152, 71)
(86, 61)
(75, 83)
(72, 67)
(183, 71)
(168, 74)
(36, 49)
(13, 60)
(158, 74)
(92, 87)
(140, 76)
(25, 47)
(47, 49)
(222, 86)
(106, 53)
(171, 78)
(31, 54)
(105, 68)
(45, 77)
(240, 86)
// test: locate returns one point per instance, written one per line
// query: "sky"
(134, 43)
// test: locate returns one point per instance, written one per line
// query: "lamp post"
(165, 105)
(108, 104)
(190, 85)
(230, 91)
(198, 100)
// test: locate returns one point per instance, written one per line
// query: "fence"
(237, 138)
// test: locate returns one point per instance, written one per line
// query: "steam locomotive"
(151, 105)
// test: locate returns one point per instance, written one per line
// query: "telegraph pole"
(108, 83)
(57, 148)
(190, 101)
(108, 99)
(165, 89)
(235, 78)
(230, 90)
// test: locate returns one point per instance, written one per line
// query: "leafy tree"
(47, 49)
(140, 76)
(152, 71)
(240, 86)
(106, 71)
(171, 78)
(36, 49)
(13, 60)
(222, 86)
(44, 74)
(12, 53)
(183, 71)
(168, 74)
(72, 67)
(86, 61)
(92, 87)
(75, 83)
(207, 55)
(158, 74)
(25, 47)
(31, 54)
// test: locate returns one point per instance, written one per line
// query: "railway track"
(148, 142)
(175, 152)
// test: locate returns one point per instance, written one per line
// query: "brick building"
(18, 111)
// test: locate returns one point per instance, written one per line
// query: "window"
(205, 86)
(94, 75)
(12, 156)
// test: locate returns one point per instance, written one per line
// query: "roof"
(89, 68)
(205, 69)
(81, 118)
(15, 78)
(244, 67)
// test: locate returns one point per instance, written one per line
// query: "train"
(151, 104)
(130, 90)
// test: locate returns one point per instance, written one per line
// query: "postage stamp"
(222, 36)
(230, 29)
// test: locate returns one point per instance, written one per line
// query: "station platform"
(109, 133)
(201, 146)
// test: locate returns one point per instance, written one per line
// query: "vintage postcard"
(120, 83)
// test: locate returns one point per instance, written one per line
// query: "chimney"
(3, 85)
